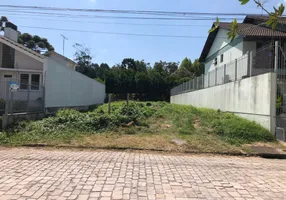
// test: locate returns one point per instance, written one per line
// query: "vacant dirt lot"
(67, 174)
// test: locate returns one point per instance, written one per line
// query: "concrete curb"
(263, 155)
(134, 149)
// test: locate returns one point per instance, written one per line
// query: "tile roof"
(263, 18)
(250, 30)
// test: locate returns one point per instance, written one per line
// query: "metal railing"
(248, 65)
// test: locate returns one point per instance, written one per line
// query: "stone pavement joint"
(98, 175)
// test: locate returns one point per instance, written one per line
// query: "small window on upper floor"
(215, 61)
(221, 58)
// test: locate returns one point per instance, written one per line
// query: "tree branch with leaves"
(272, 21)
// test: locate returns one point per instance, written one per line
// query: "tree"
(3, 20)
(147, 83)
(272, 22)
(36, 43)
(187, 64)
(141, 66)
(84, 61)
(102, 70)
(129, 63)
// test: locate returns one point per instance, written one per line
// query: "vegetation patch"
(149, 125)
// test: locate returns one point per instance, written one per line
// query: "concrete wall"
(61, 59)
(65, 87)
(251, 98)
(222, 45)
(22, 61)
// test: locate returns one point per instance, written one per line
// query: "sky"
(112, 49)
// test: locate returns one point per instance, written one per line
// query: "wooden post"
(28, 98)
(7, 100)
(127, 100)
(109, 103)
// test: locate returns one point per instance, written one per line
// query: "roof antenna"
(64, 38)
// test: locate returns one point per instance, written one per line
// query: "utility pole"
(64, 38)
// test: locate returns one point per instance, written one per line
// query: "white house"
(252, 35)
(64, 87)
(245, 76)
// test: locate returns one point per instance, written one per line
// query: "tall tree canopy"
(137, 76)
(36, 43)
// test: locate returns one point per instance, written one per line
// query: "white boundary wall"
(251, 98)
(65, 87)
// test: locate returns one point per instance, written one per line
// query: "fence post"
(215, 76)
(109, 103)
(249, 63)
(276, 56)
(224, 73)
(7, 100)
(44, 99)
(235, 70)
(203, 81)
(208, 79)
(197, 83)
(194, 88)
(28, 98)
(12, 101)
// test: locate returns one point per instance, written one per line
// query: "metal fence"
(27, 100)
(246, 66)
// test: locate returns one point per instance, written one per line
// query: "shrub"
(96, 120)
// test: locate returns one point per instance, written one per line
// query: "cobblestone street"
(67, 174)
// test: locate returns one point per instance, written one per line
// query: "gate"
(29, 98)
(280, 63)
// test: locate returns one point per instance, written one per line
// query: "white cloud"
(92, 1)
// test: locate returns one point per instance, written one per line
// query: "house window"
(35, 81)
(215, 61)
(7, 76)
(24, 81)
(221, 58)
(30, 80)
(8, 56)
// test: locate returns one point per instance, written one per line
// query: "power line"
(118, 23)
(115, 17)
(114, 33)
(122, 11)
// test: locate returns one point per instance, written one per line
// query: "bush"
(224, 126)
(93, 121)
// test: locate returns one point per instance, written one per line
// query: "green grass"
(156, 125)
